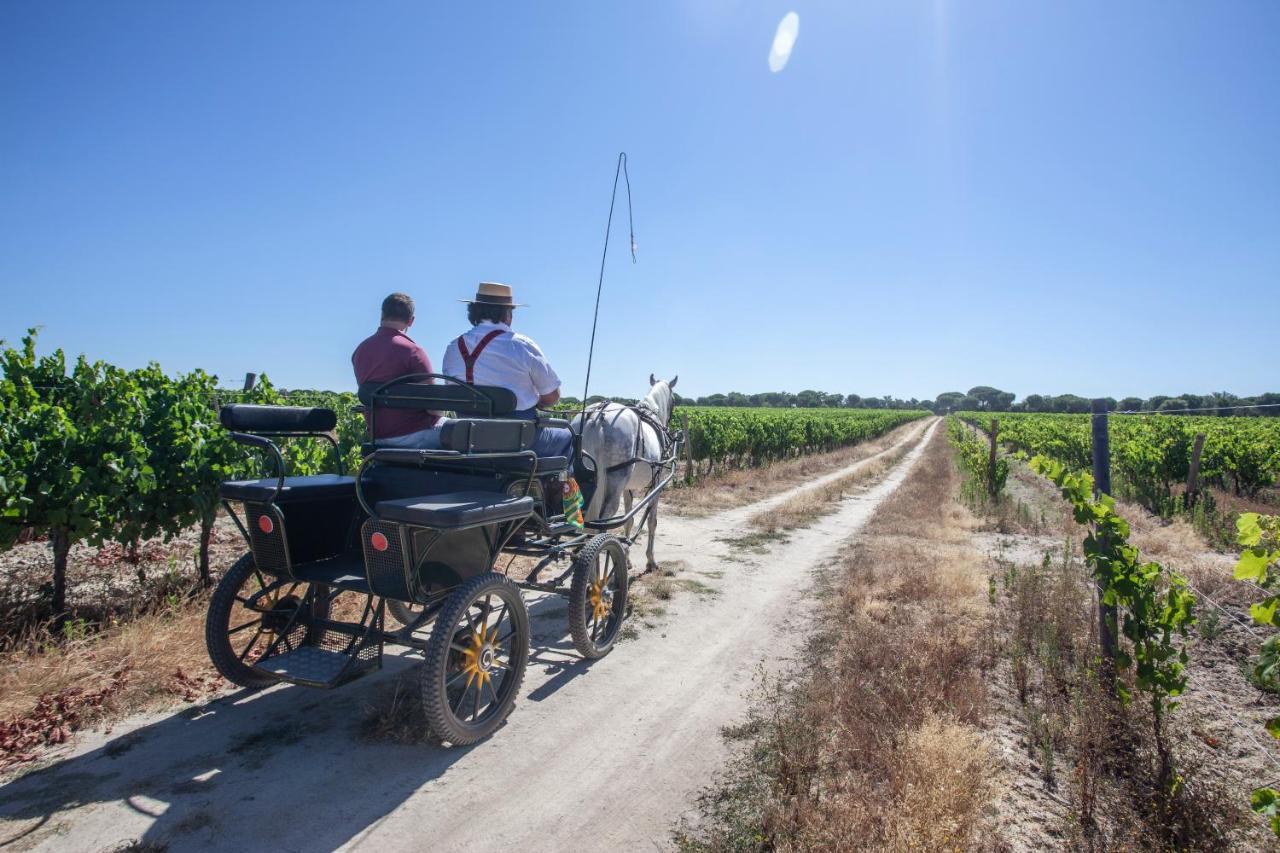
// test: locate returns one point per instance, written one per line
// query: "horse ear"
(652, 381)
(672, 383)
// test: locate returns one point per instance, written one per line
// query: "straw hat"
(492, 293)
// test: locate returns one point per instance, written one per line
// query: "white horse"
(627, 450)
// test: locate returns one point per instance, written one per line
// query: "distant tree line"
(984, 398)
(807, 399)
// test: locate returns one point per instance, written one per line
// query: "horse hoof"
(651, 566)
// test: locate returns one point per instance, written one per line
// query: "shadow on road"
(281, 769)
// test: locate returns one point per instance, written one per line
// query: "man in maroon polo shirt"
(388, 354)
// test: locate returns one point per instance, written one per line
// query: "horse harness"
(650, 417)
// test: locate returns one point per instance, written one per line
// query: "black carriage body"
(416, 532)
(319, 528)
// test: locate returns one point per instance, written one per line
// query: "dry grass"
(49, 690)
(878, 744)
(740, 486)
(149, 651)
(811, 504)
(396, 713)
(648, 594)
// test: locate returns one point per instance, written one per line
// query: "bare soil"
(103, 583)
(737, 487)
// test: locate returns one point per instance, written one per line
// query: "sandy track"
(596, 756)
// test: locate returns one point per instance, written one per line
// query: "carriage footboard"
(314, 650)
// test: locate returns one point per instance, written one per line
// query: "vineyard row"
(92, 452)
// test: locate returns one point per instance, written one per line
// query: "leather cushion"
(455, 509)
(416, 459)
(242, 417)
(487, 435)
(314, 487)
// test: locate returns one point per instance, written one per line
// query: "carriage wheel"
(598, 596)
(237, 636)
(475, 659)
(404, 612)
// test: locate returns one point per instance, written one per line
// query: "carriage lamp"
(265, 523)
(379, 541)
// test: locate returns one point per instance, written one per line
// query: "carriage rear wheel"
(404, 612)
(598, 596)
(476, 658)
(237, 636)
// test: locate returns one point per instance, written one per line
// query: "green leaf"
(1264, 801)
(1273, 727)
(1248, 530)
(1252, 565)
(1264, 613)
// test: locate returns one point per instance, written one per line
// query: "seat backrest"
(483, 400)
(244, 417)
(488, 435)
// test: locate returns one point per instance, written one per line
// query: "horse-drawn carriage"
(416, 535)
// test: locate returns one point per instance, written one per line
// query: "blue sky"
(1046, 197)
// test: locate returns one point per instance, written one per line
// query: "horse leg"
(628, 497)
(651, 563)
(613, 488)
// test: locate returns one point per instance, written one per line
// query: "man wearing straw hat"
(492, 354)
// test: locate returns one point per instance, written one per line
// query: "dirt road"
(596, 756)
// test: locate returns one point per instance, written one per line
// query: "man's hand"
(549, 399)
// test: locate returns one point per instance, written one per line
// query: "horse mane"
(652, 407)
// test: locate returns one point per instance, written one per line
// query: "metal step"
(316, 667)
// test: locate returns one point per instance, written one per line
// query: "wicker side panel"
(270, 544)
(387, 569)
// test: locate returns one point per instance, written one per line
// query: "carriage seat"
(456, 509)
(519, 465)
(245, 417)
(309, 488)
(409, 458)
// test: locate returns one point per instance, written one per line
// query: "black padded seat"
(418, 459)
(245, 417)
(546, 464)
(455, 509)
(310, 488)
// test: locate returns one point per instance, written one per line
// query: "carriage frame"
(416, 535)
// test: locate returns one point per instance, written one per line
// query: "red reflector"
(379, 542)
(265, 524)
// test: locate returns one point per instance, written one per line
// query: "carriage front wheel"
(476, 658)
(598, 596)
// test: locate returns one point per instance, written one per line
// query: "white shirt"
(510, 361)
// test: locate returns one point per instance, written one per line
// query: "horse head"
(661, 398)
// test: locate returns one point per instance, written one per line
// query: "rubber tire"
(217, 623)
(583, 563)
(435, 671)
(400, 611)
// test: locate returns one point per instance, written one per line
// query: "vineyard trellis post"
(1193, 474)
(689, 471)
(1101, 447)
(992, 485)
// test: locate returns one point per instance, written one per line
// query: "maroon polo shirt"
(385, 355)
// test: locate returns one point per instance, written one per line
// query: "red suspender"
(469, 358)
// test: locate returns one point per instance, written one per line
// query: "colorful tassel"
(573, 503)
